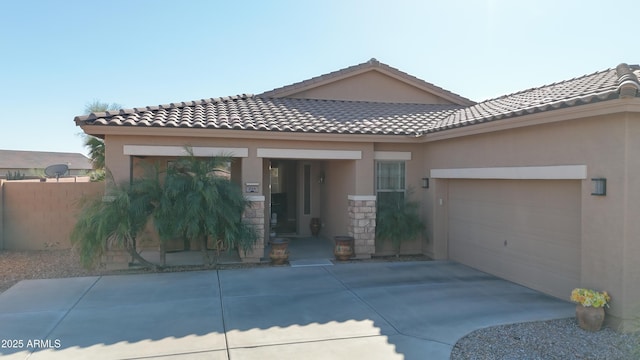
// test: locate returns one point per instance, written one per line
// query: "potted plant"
(279, 253)
(590, 308)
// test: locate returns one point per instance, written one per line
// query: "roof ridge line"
(628, 84)
(259, 96)
(544, 86)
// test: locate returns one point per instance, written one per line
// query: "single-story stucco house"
(33, 163)
(538, 187)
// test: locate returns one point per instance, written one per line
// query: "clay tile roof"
(262, 113)
(248, 112)
(599, 86)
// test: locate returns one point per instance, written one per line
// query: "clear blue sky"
(57, 56)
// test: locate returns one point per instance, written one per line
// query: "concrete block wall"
(41, 215)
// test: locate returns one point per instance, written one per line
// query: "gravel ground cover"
(545, 340)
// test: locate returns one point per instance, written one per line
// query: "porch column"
(254, 216)
(362, 224)
(253, 191)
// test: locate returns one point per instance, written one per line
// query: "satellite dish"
(56, 170)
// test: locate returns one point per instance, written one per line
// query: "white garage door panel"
(538, 219)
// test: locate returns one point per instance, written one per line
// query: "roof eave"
(103, 131)
(570, 113)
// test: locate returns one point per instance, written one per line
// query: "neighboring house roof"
(18, 159)
(262, 113)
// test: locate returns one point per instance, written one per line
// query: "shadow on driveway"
(404, 310)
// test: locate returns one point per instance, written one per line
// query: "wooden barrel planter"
(279, 253)
(344, 247)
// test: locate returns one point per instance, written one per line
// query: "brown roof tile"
(247, 112)
(260, 113)
(599, 86)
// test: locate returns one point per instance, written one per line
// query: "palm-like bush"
(193, 201)
(199, 202)
(114, 220)
(398, 219)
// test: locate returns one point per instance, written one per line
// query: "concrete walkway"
(402, 310)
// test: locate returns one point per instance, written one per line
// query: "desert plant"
(210, 205)
(398, 219)
(114, 220)
(192, 200)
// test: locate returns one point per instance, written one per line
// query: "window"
(307, 189)
(390, 180)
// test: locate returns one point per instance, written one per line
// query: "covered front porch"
(288, 187)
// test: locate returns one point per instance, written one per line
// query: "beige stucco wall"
(340, 181)
(600, 143)
(631, 250)
(371, 86)
(2, 182)
(40, 216)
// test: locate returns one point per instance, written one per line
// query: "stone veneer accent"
(362, 224)
(254, 216)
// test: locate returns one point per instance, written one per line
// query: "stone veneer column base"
(255, 217)
(362, 224)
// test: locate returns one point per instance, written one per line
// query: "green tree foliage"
(209, 204)
(194, 200)
(96, 145)
(114, 220)
(398, 219)
(17, 175)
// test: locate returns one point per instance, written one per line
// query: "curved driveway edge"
(383, 310)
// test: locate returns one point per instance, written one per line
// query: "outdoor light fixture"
(321, 178)
(599, 186)
(425, 183)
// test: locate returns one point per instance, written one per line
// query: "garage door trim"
(553, 172)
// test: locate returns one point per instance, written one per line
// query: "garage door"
(526, 231)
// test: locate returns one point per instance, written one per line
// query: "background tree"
(96, 145)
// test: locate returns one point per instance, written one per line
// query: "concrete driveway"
(401, 310)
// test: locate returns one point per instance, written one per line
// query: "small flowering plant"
(588, 297)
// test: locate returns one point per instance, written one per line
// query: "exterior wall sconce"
(321, 178)
(425, 183)
(599, 186)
